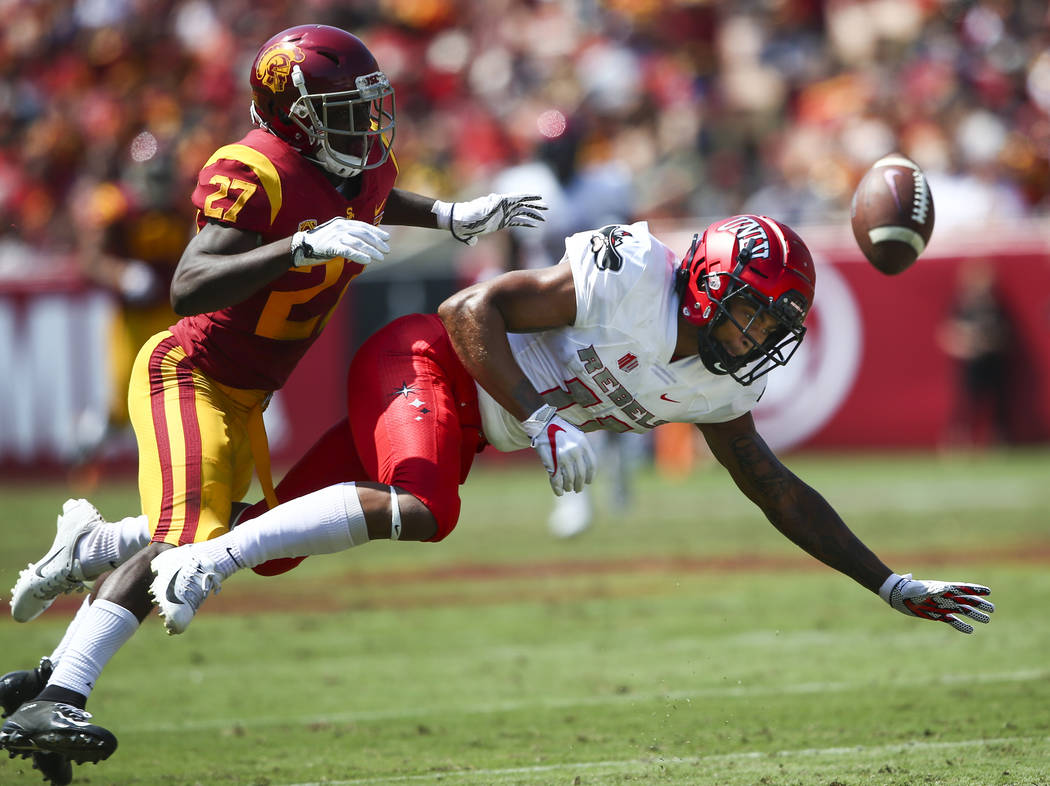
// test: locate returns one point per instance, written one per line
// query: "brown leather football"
(892, 213)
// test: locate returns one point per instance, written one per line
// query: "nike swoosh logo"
(170, 593)
(552, 433)
(890, 176)
(665, 398)
(44, 562)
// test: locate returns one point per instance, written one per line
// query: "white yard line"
(493, 776)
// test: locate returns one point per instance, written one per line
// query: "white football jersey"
(612, 369)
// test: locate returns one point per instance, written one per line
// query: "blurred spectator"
(128, 240)
(584, 187)
(702, 109)
(710, 106)
(978, 336)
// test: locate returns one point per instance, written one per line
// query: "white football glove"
(563, 448)
(339, 237)
(937, 600)
(467, 220)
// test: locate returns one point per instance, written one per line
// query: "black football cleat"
(56, 768)
(18, 687)
(55, 727)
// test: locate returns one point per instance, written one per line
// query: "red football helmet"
(757, 259)
(321, 90)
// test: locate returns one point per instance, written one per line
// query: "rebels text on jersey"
(261, 184)
(614, 368)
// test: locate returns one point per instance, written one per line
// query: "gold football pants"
(195, 440)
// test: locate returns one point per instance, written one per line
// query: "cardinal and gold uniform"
(198, 390)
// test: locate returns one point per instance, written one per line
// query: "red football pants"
(413, 422)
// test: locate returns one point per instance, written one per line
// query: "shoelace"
(73, 713)
(199, 583)
(59, 583)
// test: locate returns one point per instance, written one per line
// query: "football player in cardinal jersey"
(286, 218)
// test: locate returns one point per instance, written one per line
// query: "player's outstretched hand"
(467, 220)
(938, 600)
(563, 449)
(340, 237)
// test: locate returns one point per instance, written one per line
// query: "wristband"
(300, 248)
(538, 420)
(886, 590)
(443, 211)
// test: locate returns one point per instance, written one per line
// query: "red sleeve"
(238, 186)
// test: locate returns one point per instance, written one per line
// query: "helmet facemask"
(726, 289)
(776, 350)
(343, 127)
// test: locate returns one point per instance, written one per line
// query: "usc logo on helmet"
(275, 65)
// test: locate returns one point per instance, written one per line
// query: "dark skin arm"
(101, 266)
(409, 210)
(223, 265)
(798, 511)
(479, 317)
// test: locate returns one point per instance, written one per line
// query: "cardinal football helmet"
(760, 261)
(321, 90)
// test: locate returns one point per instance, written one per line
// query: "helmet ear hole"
(278, 111)
(267, 106)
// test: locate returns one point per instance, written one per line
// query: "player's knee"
(128, 585)
(417, 522)
(415, 518)
(444, 516)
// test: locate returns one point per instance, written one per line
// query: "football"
(892, 214)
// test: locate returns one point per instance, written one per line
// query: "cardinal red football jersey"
(262, 185)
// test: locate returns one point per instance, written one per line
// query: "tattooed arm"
(797, 510)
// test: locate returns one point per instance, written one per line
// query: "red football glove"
(937, 600)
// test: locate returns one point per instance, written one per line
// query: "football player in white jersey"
(621, 335)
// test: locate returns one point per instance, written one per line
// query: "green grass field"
(681, 642)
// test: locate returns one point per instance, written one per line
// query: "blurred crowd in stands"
(111, 106)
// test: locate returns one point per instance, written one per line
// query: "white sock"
(67, 637)
(104, 630)
(323, 522)
(110, 544)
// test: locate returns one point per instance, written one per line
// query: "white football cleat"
(59, 571)
(182, 580)
(572, 514)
